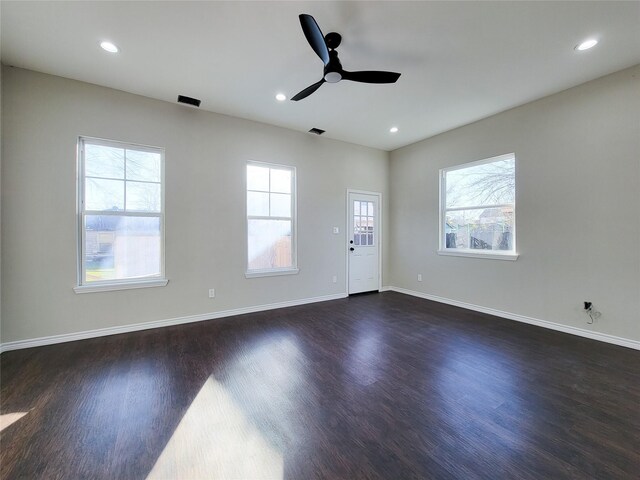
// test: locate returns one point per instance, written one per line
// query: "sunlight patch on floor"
(7, 419)
(215, 440)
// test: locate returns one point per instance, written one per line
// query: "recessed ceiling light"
(109, 47)
(281, 97)
(587, 44)
(393, 129)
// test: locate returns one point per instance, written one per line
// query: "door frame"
(348, 233)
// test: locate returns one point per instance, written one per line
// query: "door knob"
(352, 249)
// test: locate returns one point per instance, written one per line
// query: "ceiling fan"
(325, 48)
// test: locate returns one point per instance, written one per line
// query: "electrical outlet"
(419, 277)
(212, 293)
(336, 230)
(335, 279)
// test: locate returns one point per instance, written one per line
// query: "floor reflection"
(366, 359)
(474, 386)
(215, 440)
(7, 419)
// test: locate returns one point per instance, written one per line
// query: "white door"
(363, 235)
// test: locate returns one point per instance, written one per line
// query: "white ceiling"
(460, 61)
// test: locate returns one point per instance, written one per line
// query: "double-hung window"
(120, 215)
(478, 209)
(271, 219)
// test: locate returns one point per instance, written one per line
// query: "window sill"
(271, 273)
(488, 256)
(106, 287)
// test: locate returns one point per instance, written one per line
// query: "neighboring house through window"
(478, 210)
(271, 219)
(121, 215)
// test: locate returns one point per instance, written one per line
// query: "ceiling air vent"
(317, 131)
(188, 100)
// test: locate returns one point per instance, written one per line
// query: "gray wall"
(1, 148)
(577, 209)
(206, 155)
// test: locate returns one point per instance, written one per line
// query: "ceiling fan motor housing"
(333, 69)
(332, 39)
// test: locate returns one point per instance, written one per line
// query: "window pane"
(101, 161)
(257, 178)
(487, 184)
(280, 180)
(370, 208)
(104, 194)
(269, 244)
(356, 207)
(143, 197)
(280, 205)
(144, 166)
(257, 204)
(480, 229)
(119, 247)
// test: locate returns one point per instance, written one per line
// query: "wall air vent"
(188, 100)
(317, 131)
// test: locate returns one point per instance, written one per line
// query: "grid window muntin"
(363, 223)
(279, 208)
(155, 210)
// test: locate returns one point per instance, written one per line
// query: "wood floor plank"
(372, 386)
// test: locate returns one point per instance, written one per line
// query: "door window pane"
(363, 223)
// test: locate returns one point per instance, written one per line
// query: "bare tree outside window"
(121, 212)
(479, 205)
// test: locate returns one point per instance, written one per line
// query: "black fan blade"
(307, 91)
(371, 76)
(314, 36)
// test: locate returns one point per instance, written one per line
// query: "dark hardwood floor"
(373, 386)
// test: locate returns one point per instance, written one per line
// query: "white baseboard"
(603, 337)
(101, 332)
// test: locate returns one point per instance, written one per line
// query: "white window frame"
(118, 284)
(270, 272)
(468, 252)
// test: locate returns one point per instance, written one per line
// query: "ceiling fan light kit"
(325, 47)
